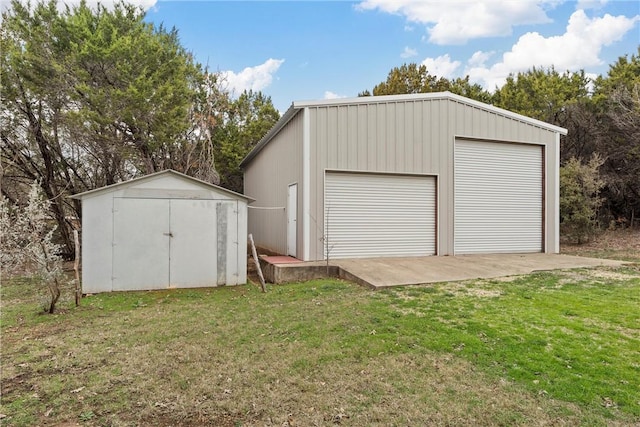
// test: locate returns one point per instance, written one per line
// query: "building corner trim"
(306, 184)
(556, 213)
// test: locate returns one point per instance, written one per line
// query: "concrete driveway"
(385, 272)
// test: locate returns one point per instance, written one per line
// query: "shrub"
(580, 186)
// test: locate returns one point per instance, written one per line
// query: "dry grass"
(315, 354)
(322, 353)
(622, 244)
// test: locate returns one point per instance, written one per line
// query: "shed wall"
(97, 237)
(412, 137)
(276, 167)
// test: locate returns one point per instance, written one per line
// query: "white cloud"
(442, 66)
(591, 4)
(331, 95)
(457, 21)
(252, 78)
(479, 58)
(579, 47)
(408, 52)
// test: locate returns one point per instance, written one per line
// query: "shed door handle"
(170, 234)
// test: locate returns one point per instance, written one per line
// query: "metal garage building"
(164, 230)
(404, 175)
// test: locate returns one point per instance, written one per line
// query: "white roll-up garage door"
(375, 215)
(498, 197)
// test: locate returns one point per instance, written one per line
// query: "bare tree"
(27, 247)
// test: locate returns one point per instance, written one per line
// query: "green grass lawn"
(559, 348)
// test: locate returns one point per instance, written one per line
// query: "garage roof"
(299, 105)
(112, 187)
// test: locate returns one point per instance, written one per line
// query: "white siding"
(498, 197)
(372, 215)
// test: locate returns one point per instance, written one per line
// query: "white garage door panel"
(140, 244)
(371, 215)
(498, 197)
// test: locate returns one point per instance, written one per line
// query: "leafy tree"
(27, 245)
(414, 78)
(618, 98)
(623, 74)
(562, 99)
(462, 86)
(542, 94)
(246, 121)
(580, 185)
(91, 97)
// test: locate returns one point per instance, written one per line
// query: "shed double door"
(167, 243)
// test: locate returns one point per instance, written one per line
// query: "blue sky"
(299, 50)
(303, 50)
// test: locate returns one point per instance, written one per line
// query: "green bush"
(580, 186)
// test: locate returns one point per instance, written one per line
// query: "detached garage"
(404, 175)
(160, 231)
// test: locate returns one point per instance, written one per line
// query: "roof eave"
(111, 187)
(299, 105)
(428, 96)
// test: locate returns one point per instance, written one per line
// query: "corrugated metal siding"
(498, 197)
(267, 178)
(414, 136)
(369, 215)
(405, 137)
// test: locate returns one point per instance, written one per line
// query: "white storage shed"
(160, 231)
(404, 175)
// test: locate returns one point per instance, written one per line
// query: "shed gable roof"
(156, 175)
(296, 106)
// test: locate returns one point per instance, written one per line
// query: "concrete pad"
(385, 272)
(280, 259)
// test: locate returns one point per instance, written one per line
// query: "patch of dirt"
(633, 334)
(19, 384)
(607, 274)
(220, 420)
(507, 279)
(483, 293)
(458, 288)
